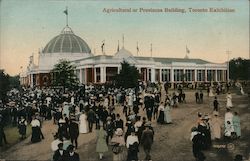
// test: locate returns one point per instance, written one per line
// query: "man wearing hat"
(60, 154)
(73, 131)
(109, 129)
(72, 155)
(147, 140)
(204, 128)
(198, 144)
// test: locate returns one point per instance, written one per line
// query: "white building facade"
(92, 68)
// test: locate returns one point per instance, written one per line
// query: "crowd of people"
(210, 128)
(114, 114)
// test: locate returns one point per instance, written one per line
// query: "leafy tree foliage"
(128, 76)
(239, 69)
(14, 81)
(4, 85)
(64, 75)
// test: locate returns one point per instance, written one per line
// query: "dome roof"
(67, 42)
(124, 54)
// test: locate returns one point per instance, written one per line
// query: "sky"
(28, 25)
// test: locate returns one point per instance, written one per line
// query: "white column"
(195, 75)
(80, 76)
(95, 74)
(172, 75)
(102, 74)
(160, 73)
(118, 69)
(152, 75)
(216, 76)
(31, 80)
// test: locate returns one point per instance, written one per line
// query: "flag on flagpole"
(137, 47)
(187, 50)
(103, 43)
(118, 48)
(66, 11)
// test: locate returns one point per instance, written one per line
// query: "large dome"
(67, 42)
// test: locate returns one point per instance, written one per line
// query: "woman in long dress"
(101, 146)
(216, 124)
(161, 114)
(83, 127)
(211, 94)
(229, 100)
(242, 91)
(118, 141)
(167, 115)
(236, 124)
(36, 130)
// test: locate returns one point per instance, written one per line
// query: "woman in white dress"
(216, 125)
(229, 100)
(83, 126)
(242, 91)
(167, 115)
(211, 94)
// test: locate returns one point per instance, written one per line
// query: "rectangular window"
(210, 75)
(178, 75)
(200, 75)
(98, 75)
(219, 75)
(189, 75)
(166, 74)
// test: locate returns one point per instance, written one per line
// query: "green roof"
(67, 42)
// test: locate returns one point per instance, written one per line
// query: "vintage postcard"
(160, 80)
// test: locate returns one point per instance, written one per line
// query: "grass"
(12, 136)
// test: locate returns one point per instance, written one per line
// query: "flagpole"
(123, 40)
(67, 22)
(103, 43)
(137, 49)
(151, 50)
(118, 48)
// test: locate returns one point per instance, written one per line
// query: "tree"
(128, 76)
(4, 85)
(14, 81)
(239, 69)
(64, 75)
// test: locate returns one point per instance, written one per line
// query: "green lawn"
(12, 136)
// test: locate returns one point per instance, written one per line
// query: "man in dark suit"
(73, 131)
(147, 139)
(118, 122)
(91, 118)
(72, 155)
(60, 154)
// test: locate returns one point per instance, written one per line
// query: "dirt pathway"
(172, 142)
